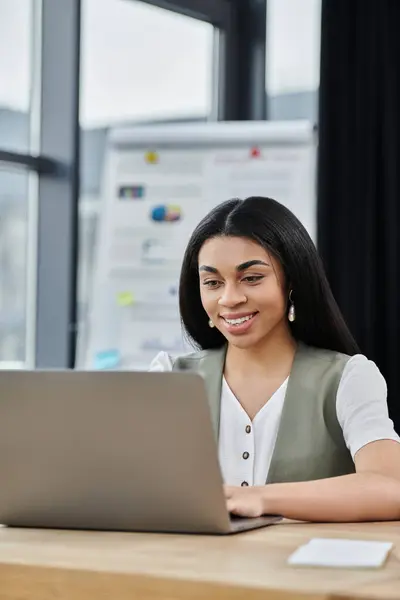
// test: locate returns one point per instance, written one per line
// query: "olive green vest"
(310, 442)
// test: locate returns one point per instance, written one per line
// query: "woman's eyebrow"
(251, 263)
(239, 268)
(208, 269)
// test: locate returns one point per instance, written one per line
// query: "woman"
(300, 416)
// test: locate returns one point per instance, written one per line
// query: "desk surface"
(66, 565)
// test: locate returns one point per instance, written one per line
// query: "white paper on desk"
(325, 552)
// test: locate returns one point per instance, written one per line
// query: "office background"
(70, 69)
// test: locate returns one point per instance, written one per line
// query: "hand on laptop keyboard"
(246, 501)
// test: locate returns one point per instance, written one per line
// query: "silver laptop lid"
(108, 450)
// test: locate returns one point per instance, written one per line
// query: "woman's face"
(242, 290)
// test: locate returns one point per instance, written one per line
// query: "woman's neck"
(274, 353)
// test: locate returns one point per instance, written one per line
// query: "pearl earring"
(292, 310)
(211, 324)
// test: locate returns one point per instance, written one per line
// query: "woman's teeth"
(239, 321)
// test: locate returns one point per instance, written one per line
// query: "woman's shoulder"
(324, 354)
(352, 364)
(165, 362)
(365, 372)
(357, 366)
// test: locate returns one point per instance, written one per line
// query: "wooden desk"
(69, 565)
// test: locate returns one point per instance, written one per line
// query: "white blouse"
(361, 407)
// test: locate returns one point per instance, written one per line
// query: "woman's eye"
(253, 278)
(211, 283)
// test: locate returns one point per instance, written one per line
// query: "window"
(13, 264)
(16, 59)
(15, 73)
(143, 62)
(293, 56)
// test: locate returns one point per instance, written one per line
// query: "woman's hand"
(361, 496)
(246, 501)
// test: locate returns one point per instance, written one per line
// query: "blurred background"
(72, 69)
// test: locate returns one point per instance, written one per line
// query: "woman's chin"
(244, 342)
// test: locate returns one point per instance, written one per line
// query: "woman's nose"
(232, 296)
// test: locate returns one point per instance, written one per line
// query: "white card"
(324, 552)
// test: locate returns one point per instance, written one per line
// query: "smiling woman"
(303, 429)
(243, 295)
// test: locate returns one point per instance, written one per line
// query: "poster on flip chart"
(159, 181)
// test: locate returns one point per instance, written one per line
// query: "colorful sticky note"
(107, 359)
(125, 299)
(151, 157)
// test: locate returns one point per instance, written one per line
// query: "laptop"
(119, 451)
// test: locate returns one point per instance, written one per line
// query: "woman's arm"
(371, 494)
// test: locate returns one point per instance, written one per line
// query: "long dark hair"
(318, 323)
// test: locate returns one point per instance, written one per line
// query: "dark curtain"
(359, 174)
